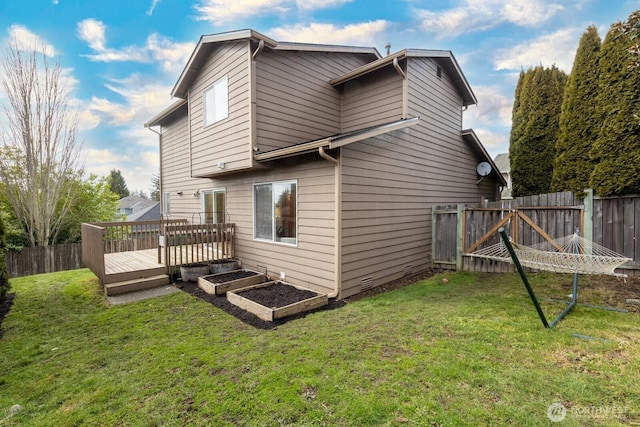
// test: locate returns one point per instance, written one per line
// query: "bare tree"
(40, 152)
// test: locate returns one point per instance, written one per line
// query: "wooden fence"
(44, 259)
(613, 222)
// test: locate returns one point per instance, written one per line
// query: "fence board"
(44, 259)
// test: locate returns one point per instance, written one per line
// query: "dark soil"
(277, 295)
(230, 276)
(220, 301)
(5, 306)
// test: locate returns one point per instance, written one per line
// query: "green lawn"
(470, 351)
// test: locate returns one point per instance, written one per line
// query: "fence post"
(459, 237)
(587, 233)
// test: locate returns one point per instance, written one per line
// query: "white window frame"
(273, 213)
(166, 203)
(213, 192)
(215, 102)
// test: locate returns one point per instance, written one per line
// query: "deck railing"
(197, 243)
(177, 241)
(93, 249)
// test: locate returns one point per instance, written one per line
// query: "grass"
(470, 351)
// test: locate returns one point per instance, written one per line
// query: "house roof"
(166, 113)
(470, 137)
(444, 58)
(502, 162)
(149, 213)
(131, 201)
(335, 141)
(206, 42)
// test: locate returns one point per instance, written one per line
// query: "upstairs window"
(216, 102)
(275, 212)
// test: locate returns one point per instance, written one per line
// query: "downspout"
(398, 68)
(338, 226)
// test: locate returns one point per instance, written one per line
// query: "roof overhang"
(470, 137)
(312, 47)
(335, 141)
(443, 58)
(166, 113)
(199, 55)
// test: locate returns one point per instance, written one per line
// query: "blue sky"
(123, 57)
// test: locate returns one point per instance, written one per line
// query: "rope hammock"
(569, 254)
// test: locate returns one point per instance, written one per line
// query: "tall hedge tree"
(536, 116)
(616, 151)
(579, 121)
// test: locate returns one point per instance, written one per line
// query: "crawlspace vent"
(367, 283)
(407, 270)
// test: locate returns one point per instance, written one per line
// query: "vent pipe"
(388, 48)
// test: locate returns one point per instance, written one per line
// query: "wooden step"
(119, 288)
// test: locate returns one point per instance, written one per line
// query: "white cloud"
(352, 34)
(319, 4)
(141, 100)
(492, 104)
(154, 3)
(482, 15)
(171, 55)
(558, 48)
(29, 41)
(221, 11)
(494, 142)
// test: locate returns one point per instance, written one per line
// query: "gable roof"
(206, 42)
(168, 112)
(470, 137)
(443, 58)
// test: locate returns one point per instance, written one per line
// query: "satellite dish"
(483, 168)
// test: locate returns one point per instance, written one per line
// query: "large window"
(214, 206)
(216, 102)
(275, 212)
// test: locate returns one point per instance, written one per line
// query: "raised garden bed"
(218, 284)
(275, 300)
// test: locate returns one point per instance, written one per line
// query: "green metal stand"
(523, 276)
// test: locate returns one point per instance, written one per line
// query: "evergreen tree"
(616, 151)
(579, 123)
(155, 187)
(118, 184)
(534, 135)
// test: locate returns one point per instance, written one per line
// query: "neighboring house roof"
(469, 136)
(202, 49)
(134, 202)
(443, 58)
(335, 141)
(149, 213)
(502, 162)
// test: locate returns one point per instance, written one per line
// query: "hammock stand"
(577, 256)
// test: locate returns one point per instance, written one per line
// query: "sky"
(122, 58)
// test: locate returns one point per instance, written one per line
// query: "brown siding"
(374, 99)
(294, 100)
(312, 263)
(228, 140)
(174, 169)
(390, 184)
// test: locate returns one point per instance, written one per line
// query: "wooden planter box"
(221, 288)
(271, 313)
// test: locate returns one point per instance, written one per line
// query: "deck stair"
(141, 283)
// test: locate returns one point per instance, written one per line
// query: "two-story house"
(328, 159)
